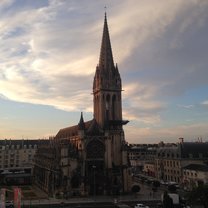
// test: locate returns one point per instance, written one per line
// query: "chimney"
(181, 140)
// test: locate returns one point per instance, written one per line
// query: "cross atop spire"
(106, 56)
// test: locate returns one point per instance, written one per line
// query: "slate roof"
(91, 128)
(22, 142)
(197, 167)
(196, 149)
(94, 128)
(168, 152)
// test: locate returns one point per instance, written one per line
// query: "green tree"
(135, 189)
(172, 188)
(199, 195)
(167, 200)
(156, 184)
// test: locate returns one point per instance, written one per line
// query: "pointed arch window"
(107, 106)
(114, 107)
(95, 149)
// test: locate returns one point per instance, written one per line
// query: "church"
(90, 158)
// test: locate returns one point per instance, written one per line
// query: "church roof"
(106, 56)
(91, 128)
(94, 128)
(71, 131)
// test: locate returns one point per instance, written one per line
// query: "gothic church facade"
(90, 157)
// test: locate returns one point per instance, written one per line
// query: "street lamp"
(94, 188)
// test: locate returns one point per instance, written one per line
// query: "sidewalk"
(91, 199)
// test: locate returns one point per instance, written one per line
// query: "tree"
(172, 188)
(135, 189)
(75, 181)
(156, 184)
(76, 178)
(167, 200)
(199, 195)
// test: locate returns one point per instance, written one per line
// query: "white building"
(195, 175)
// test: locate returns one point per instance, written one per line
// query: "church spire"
(107, 84)
(106, 56)
(81, 124)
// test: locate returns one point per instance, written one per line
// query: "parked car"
(140, 206)
(9, 204)
(122, 206)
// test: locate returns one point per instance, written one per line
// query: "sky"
(49, 50)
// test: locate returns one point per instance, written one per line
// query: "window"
(95, 149)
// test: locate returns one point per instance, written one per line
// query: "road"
(152, 204)
(146, 196)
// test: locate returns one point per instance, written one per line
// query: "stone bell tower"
(107, 84)
(107, 90)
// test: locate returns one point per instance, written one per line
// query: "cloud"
(49, 52)
(205, 102)
(5, 3)
(189, 132)
(185, 106)
(140, 104)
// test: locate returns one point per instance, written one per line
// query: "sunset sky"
(49, 50)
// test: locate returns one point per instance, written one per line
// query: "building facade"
(141, 154)
(16, 160)
(194, 175)
(101, 161)
(170, 160)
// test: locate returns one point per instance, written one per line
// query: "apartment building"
(16, 160)
(140, 154)
(194, 175)
(170, 160)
